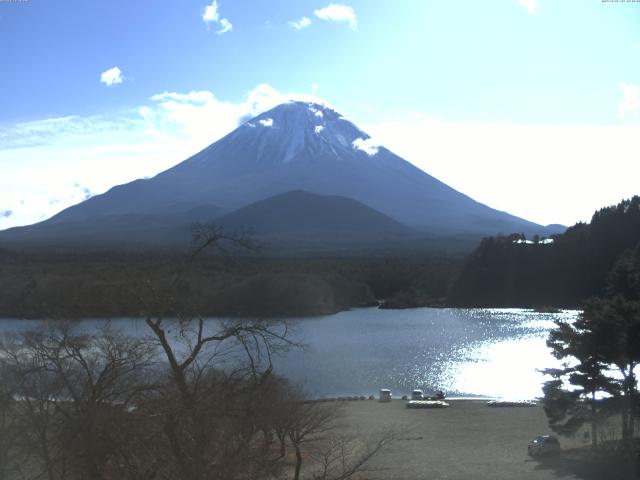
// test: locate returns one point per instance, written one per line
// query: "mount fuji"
(300, 147)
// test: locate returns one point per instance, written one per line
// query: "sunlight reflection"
(507, 369)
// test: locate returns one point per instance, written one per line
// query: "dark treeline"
(506, 272)
(76, 285)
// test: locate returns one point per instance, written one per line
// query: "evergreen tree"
(605, 339)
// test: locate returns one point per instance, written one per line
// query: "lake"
(465, 352)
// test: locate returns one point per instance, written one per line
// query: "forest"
(108, 284)
(509, 271)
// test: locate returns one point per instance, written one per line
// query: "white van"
(417, 395)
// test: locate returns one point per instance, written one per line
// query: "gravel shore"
(468, 440)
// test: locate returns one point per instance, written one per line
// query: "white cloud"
(637, 45)
(113, 76)
(304, 22)
(338, 13)
(211, 15)
(367, 145)
(267, 122)
(225, 25)
(531, 6)
(631, 99)
(314, 88)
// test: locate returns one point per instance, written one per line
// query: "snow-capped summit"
(295, 131)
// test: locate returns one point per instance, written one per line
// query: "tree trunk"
(594, 420)
(296, 474)
(632, 401)
(46, 456)
(625, 406)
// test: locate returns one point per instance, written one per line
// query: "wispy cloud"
(338, 13)
(304, 22)
(111, 77)
(58, 129)
(531, 6)
(630, 99)
(211, 16)
(6, 213)
(225, 25)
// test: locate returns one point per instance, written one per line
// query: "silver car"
(543, 445)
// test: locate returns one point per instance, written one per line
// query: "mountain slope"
(295, 146)
(302, 213)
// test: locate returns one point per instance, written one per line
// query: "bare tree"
(193, 346)
(346, 455)
(310, 422)
(75, 394)
(8, 431)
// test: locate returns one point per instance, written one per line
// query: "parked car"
(543, 445)
(416, 395)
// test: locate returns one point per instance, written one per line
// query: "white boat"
(511, 403)
(427, 404)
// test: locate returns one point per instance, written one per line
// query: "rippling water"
(465, 352)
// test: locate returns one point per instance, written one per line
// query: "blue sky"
(530, 106)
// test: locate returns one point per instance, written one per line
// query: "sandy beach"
(468, 440)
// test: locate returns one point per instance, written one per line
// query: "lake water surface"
(465, 352)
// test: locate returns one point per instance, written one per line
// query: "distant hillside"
(303, 213)
(504, 271)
